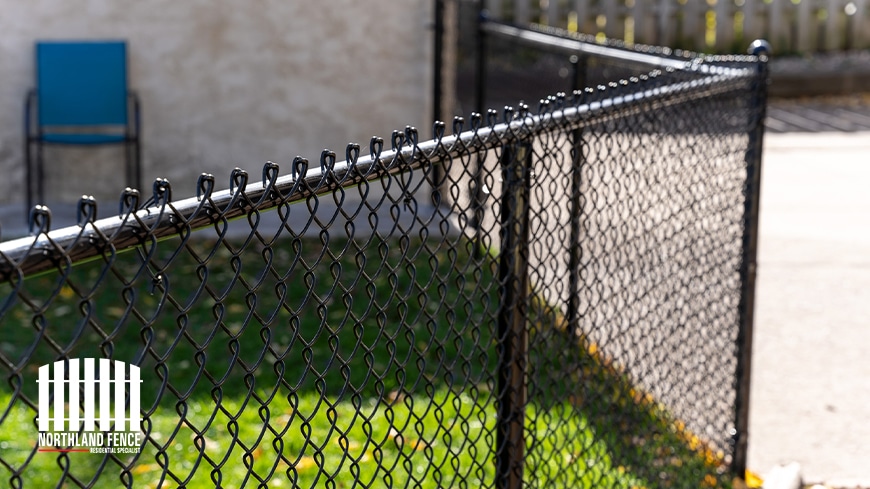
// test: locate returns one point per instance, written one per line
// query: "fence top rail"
(161, 218)
(573, 43)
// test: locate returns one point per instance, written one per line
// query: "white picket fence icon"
(66, 386)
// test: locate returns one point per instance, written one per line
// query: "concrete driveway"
(810, 398)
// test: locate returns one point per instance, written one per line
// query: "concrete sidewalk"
(810, 399)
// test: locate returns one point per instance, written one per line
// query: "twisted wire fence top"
(342, 324)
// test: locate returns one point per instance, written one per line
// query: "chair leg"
(137, 160)
(128, 168)
(40, 175)
(28, 176)
(133, 156)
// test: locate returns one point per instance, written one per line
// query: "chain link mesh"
(561, 308)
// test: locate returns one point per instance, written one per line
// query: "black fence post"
(480, 61)
(578, 67)
(752, 193)
(512, 316)
(480, 103)
(578, 64)
(437, 89)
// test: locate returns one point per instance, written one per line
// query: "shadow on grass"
(642, 436)
(234, 334)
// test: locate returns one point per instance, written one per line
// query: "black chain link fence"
(561, 308)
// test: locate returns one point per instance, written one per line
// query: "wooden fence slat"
(724, 24)
(581, 8)
(522, 12)
(806, 28)
(777, 33)
(860, 26)
(693, 24)
(789, 25)
(644, 22)
(615, 28)
(553, 17)
(496, 9)
(752, 26)
(666, 23)
(833, 33)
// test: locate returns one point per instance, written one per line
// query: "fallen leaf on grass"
(753, 480)
(709, 481)
(416, 444)
(395, 396)
(144, 468)
(305, 463)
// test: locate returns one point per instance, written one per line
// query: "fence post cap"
(759, 47)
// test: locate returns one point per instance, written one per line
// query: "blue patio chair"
(81, 98)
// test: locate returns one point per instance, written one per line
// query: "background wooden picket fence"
(792, 26)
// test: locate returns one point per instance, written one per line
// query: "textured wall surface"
(225, 83)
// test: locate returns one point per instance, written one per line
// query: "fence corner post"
(746, 307)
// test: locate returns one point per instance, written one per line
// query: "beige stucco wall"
(225, 83)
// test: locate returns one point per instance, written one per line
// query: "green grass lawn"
(318, 363)
(409, 444)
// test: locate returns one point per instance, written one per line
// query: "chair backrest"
(81, 83)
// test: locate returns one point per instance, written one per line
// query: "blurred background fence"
(566, 301)
(792, 26)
